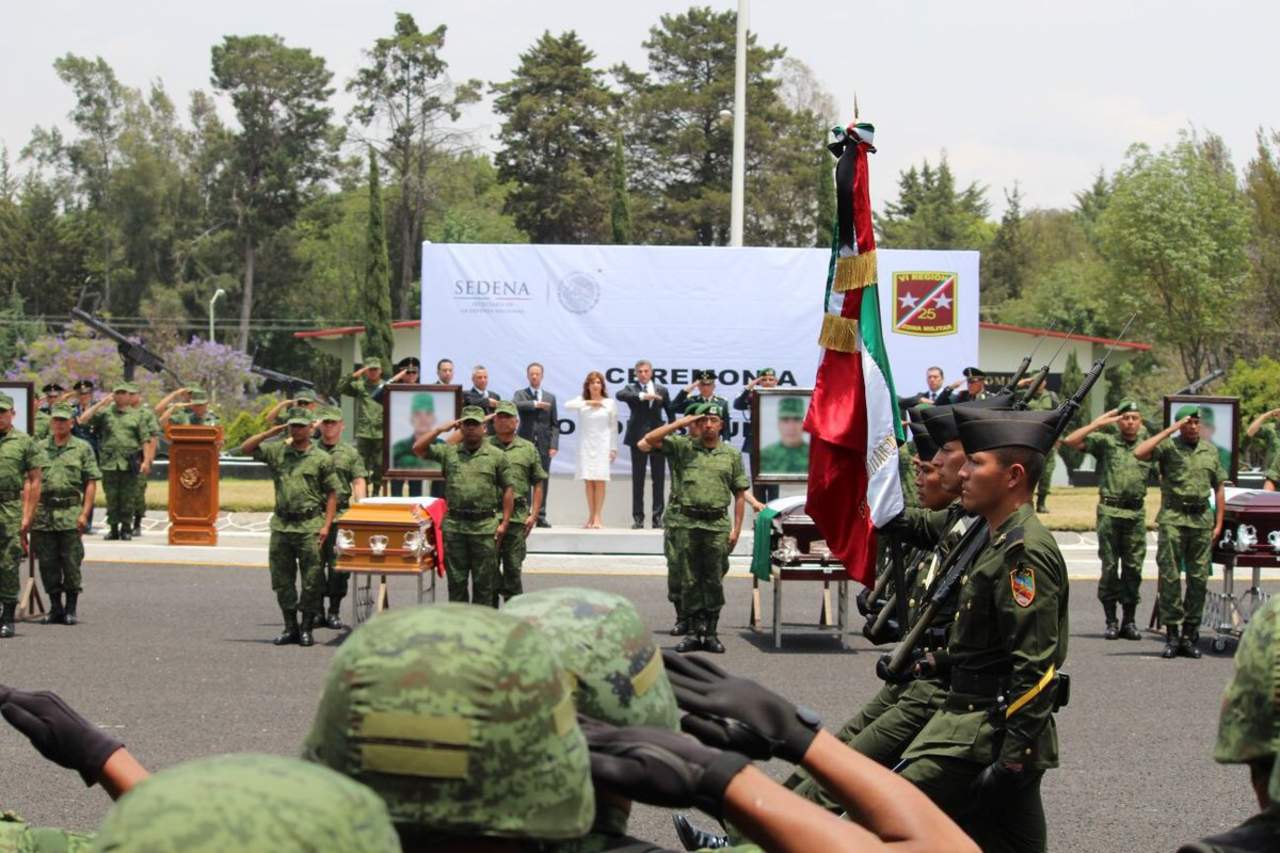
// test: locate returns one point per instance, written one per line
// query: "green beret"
(695, 408)
(715, 410)
(474, 414)
(423, 403)
(62, 411)
(1188, 411)
(791, 407)
(1126, 406)
(1206, 415)
(6, 403)
(506, 407)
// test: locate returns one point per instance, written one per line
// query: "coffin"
(1250, 529)
(386, 536)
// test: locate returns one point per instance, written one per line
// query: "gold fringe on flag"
(839, 333)
(855, 271)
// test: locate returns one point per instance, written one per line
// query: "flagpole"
(739, 128)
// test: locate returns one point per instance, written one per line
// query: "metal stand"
(30, 604)
(367, 603)
(825, 620)
(1227, 615)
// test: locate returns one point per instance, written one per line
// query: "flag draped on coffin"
(853, 417)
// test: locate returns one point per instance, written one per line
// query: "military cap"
(1249, 723)
(1126, 406)
(51, 387)
(199, 395)
(306, 395)
(423, 403)
(601, 640)
(83, 385)
(462, 718)
(791, 407)
(299, 416)
(694, 407)
(765, 371)
(940, 420)
(506, 407)
(974, 373)
(989, 429)
(926, 449)
(704, 376)
(1206, 416)
(715, 410)
(120, 388)
(6, 403)
(371, 361)
(409, 362)
(475, 414)
(1190, 410)
(248, 802)
(62, 411)
(329, 413)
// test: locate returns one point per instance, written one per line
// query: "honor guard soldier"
(123, 441)
(981, 757)
(478, 491)
(306, 501)
(66, 498)
(527, 476)
(1122, 517)
(1187, 526)
(351, 472)
(361, 386)
(21, 462)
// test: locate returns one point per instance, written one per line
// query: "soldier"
(1247, 727)
(974, 380)
(1187, 527)
(362, 385)
(83, 389)
(193, 412)
(1270, 438)
(790, 453)
(406, 373)
(351, 472)
(307, 489)
(982, 756)
(527, 475)
(66, 498)
(122, 437)
(713, 476)
(1122, 517)
(151, 427)
(1044, 400)
(21, 463)
(279, 413)
(704, 382)
(478, 484)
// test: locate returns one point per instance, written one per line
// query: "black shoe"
(692, 838)
(1170, 644)
(304, 635)
(711, 643)
(137, 527)
(56, 613)
(637, 525)
(6, 620)
(1042, 507)
(542, 522)
(334, 621)
(1129, 631)
(290, 635)
(69, 617)
(689, 644)
(113, 533)
(125, 535)
(1112, 631)
(1187, 647)
(657, 522)
(680, 628)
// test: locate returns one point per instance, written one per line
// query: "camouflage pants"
(702, 593)
(1046, 476)
(119, 487)
(59, 553)
(335, 582)
(1122, 546)
(1013, 822)
(10, 560)
(371, 452)
(1180, 549)
(511, 553)
(292, 555)
(139, 496)
(674, 543)
(474, 556)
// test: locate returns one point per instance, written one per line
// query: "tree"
(285, 145)
(1007, 263)
(825, 220)
(930, 213)
(555, 142)
(1174, 235)
(620, 211)
(1072, 379)
(404, 89)
(1090, 204)
(1262, 194)
(378, 338)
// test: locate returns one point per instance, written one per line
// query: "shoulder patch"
(1023, 582)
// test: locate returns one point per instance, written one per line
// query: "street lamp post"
(218, 294)
(739, 128)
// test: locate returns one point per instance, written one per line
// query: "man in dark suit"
(767, 377)
(480, 395)
(648, 402)
(539, 424)
(705, 383)
(933, 377)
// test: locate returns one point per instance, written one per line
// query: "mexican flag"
(853, 417)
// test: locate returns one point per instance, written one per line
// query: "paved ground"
(176, 660)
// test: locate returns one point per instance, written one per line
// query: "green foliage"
(16, 329)
(1072, 379)
(1262, 194)
(930, 213)
(376, 304)
(620, 209)
(1256, 383)
(243, 426)
(825, 220)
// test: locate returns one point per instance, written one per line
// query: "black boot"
(335, 620)
(56, 613)
(693, 838)
(308, 623)
(692, 641)
(291, 633)
(1188, 646)
(1112, 631)
(69, 618)
(681, 627)
(710, 642)
(125, 535)
(1128, 627)
(137, 525)
(6, 620)
(113, 533)
(1170, 643)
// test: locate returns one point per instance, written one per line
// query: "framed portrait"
(24, 404)
(779, 444)
(1219, 424)
(410, 411)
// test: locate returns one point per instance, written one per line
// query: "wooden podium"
(193, 484)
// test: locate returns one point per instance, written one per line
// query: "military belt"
(1121, 503)
(296, 517)
(972, 683)
(520, 503)
(1190, 507)
(65, 500)
(471, 514)
(703, 514)
(7, 495)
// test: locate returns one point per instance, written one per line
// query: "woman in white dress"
(597, 441)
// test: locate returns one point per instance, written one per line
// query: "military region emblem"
(1023, 580)
(924, 303)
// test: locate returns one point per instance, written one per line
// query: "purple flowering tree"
(73, 355)
(221, 371)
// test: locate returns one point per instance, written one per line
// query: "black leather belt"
(1194, 507)
(1121, 503)
(980, 684)
(295, 517)
(703, 514)
(67, 500)
(471, 514)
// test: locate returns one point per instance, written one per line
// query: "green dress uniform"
(1122, 520)
(526, 471)
(55, 531)
(19, 455)
(474, 481)
(1045, 401)
(368, 428)
(121, 436)
(1189, 475)
(349, 467)
(151, 424)
(303, 481)
(711, 479)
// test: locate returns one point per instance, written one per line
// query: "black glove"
(660, 767)
(998, 779)
(57, 732)
(736, 713)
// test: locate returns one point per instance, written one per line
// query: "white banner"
(582, 308)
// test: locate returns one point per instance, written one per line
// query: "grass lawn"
(234, 495)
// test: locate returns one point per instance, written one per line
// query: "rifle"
(275, 381)
(894, 667)
(1043, 373)
(133, 353)
(1011, 387)
(1199, 385)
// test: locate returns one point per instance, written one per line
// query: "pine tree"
(620, 213)
(376, 293)
(1008, 262)
(826, 218)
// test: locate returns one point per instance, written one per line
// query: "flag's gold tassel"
(839, 333)
(855, 271)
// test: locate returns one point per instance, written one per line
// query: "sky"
(1038, 93)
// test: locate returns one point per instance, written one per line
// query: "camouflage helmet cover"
(1249, 723)
(258, 802)
(462, 719)
(601, 640)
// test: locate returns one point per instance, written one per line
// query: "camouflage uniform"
(474, 482)
(368, 426)
(349, 467)
(1189, 474)
(1269, 436)
(17, 837)
(248, 802)
(1044, 401)
(462, 720)
(151, 428)
(1122, 520)
(526, 471)
(19, 454)
(121, 434)
(55, 532)
(303, 481)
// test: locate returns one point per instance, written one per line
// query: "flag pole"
(739, 129)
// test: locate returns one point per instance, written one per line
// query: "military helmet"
(602, 642)
(462, 719)
(248, 802)
(1249, 723)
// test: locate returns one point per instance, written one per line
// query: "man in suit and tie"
(539, 424)
(479, 394)
(648, 402)
(933, 378)
(705, 383)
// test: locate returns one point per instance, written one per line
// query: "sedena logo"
(924, 303)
